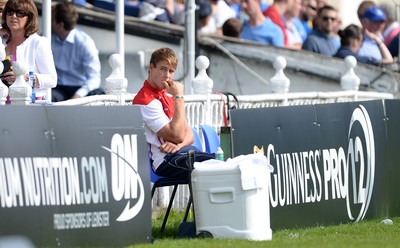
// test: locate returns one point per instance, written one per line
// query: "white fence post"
(202, 84)
(116, 83)
(349, 80)
(20, 92)
(279, 82)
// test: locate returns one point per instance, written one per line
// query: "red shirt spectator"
(272, 13)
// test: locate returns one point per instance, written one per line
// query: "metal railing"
(195, 105)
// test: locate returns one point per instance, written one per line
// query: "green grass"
(367, 233)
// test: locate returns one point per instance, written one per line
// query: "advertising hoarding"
(331, 161)
(74, 175)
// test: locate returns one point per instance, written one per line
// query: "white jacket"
(35, 53)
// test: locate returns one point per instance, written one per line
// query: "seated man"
(75, 56)
(373, 21)
(322, 40)
(162, 105)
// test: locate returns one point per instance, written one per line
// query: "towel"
(254, 169)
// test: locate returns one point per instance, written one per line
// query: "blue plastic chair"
(211, 138)
(197, 141)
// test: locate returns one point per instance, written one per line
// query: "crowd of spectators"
(316, 26)
(311, 25)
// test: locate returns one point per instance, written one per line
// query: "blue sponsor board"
(74, 175)
(333, 163)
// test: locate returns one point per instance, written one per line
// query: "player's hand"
(174, 87)
(169, 147)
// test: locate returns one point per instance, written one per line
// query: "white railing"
(205, 107)
(195, 104)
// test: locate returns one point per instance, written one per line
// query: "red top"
(391, 35)
(147, 94)
(272, 13)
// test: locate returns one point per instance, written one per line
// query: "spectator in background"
(232, 27)
(75, 55)
(293, 26)
(258, 27)
(321, 39)
(373, 21)
(307, 15)
(221, 11)
(351, 40)
(275, 12)
(392, 27)
(204, 16)
(364, 5)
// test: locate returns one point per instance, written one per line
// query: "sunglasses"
(18, 12)
(327, 18)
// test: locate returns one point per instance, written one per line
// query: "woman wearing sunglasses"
(20, 20)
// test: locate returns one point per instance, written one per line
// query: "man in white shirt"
(162, 103)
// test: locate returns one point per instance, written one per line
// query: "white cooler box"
(231, 199)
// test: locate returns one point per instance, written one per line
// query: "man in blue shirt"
(322, 40)
(75, 56)
(258, 27)
(373, 21)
